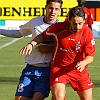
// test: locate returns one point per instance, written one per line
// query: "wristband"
(31, 44)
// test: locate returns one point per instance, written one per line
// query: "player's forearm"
(10, 33)
(88, 59)
(38, 39)
(28, 48)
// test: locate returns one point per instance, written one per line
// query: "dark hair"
(59, 1)
(81, 3)
(76, 11)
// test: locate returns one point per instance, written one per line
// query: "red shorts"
(78, 80)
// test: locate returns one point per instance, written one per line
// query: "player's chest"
(67, 41)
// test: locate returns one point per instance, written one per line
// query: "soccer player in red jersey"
(88, 15)
(73, 49)
(35, 77)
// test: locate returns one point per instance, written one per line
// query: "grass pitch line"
(9, 43)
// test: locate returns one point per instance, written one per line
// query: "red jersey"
(88, 17)
(70, 48)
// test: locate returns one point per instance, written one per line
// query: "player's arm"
(38, 39)
(24, 30)
(48, 44)
(90, 48)
(11, 33)
(88, 60)
(47, 48)
(28, 48)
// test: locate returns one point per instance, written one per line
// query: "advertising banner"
(27, 9)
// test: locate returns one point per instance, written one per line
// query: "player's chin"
(76, 31)
(52, 18)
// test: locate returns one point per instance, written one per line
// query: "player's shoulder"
(37, 21)
(86, 31)
(85, 27)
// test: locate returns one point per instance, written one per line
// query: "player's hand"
(80, 66)
(26, 50)
(45, 49)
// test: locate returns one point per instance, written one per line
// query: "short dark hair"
(60, 1)
(76, 11)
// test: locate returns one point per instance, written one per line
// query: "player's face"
(76, 24)
(52, 11)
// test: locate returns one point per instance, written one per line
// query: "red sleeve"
(48, 31)
(54, 29)
(90, 46)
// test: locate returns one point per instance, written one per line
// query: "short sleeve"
(90, 44)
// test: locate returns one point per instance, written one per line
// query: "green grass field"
(12, 63)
